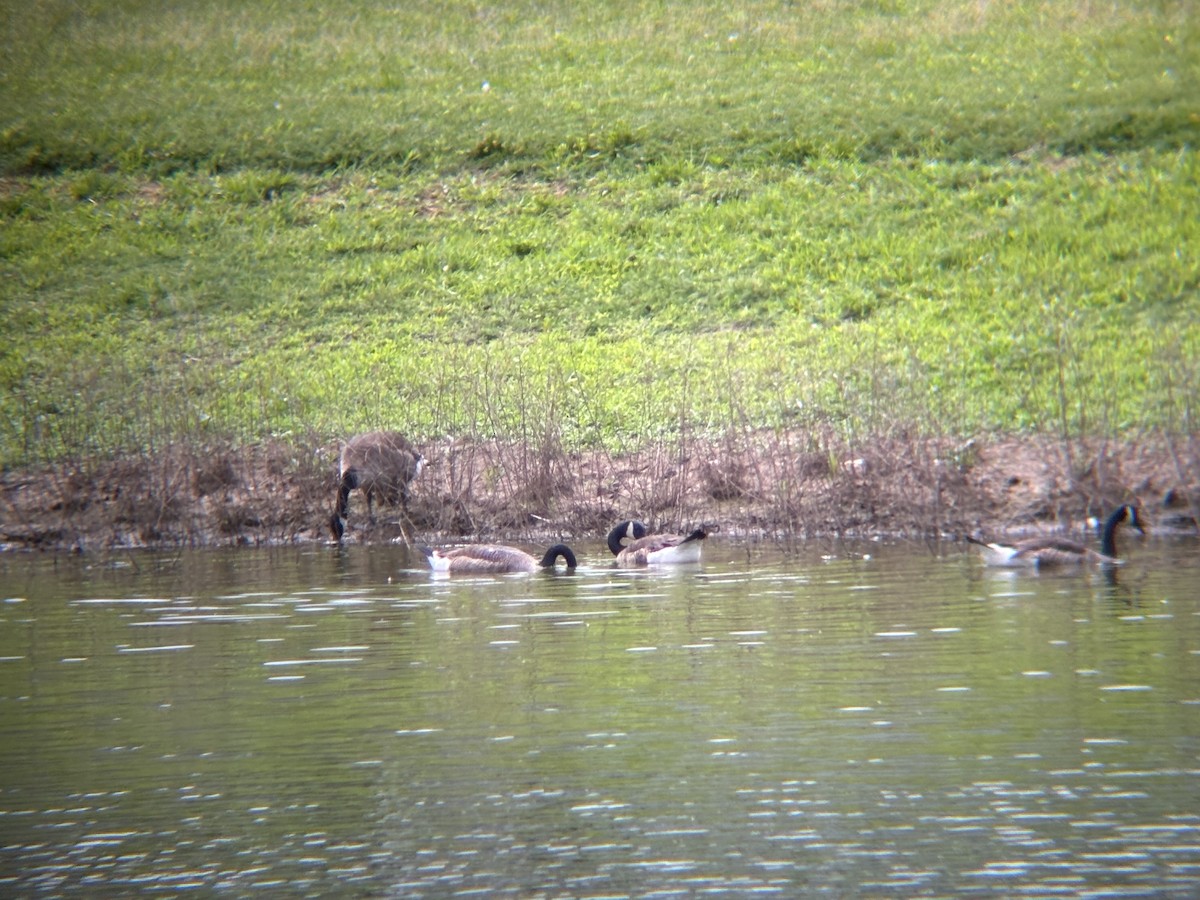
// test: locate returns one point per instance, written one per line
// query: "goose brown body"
(379, 464)
(494, 559)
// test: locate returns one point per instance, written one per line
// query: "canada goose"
(378, 462)
(653, 549)
(1051, 551)
(494, 559)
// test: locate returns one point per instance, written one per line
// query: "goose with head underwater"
(1044, 552)
(381, 463)
(494, 559)
(644, 549)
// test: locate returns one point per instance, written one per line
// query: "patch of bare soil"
(764, 485)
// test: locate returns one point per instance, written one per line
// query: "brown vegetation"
(768, 485)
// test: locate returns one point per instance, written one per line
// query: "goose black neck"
(337, 522)
(348, 483)
(1108, 540)
(629, 530)
(554, 553)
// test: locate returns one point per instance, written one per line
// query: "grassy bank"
(595, 228)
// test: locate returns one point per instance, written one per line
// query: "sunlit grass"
(638, 219)
(223, 85)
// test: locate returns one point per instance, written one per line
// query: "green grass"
(213, 86)
(947, 217)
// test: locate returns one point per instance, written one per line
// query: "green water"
(853, 720)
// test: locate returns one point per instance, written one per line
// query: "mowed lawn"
(620, 221)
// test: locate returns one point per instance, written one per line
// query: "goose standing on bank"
(494, 559)
(1052, 551)
(653, 549)
(381, 463)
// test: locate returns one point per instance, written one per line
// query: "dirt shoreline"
(761, 485)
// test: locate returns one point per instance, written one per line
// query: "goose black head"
(630, 530)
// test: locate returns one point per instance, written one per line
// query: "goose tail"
(437, 562)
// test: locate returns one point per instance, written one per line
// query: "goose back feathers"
(379, 464)
(494, 559)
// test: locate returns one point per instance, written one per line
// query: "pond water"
(879, 720)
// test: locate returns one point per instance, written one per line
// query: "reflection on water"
(879, 720)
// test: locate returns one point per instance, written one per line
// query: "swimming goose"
(494, 559)
(1052, 551)
(653, 549)
(378, 462)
